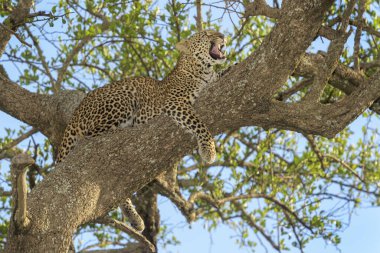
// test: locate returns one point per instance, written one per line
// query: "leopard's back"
(120, 104)
(134, 101)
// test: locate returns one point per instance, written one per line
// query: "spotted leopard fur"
(134, 101)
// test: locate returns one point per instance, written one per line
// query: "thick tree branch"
(343, 78)
(198, 18)
(286, 44)
(22, 104)
(326, 120)
(48, 114)
(325, 70)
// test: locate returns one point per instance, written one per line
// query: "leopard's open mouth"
(217, 51)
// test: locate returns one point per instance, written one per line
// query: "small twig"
(283, 206)
(316, 150)
(41, 55)
(186, 208)
(358, 34)
(16, 35)
(198, 18)
(100, 16)
(346, 15)
(240, 30)
(334, 158)
(41, 14)
(372, 64)
(100, 69)
(175, 18)
(365, 26)
(300, 243)
(143, 63)
(62, 71)
(5, 193)
(368, 29)
(49, 17)
(276, 4)
(251, 222)
(284, 95)
(203, 196)
(345, 165)
(18, 140)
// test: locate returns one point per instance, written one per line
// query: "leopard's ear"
(210, 32)
(182, 46)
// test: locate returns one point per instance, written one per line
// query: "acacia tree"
(261, 184)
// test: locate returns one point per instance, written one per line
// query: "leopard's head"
(206, 46)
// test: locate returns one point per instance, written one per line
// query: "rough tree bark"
(100, 172)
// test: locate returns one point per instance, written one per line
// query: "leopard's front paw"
(207, 151)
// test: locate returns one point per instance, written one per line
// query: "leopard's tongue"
(215, 53)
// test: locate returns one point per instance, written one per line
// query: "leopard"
(136, 100)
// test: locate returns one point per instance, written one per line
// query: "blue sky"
(361, 236)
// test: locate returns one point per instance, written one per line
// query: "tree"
(279, 84)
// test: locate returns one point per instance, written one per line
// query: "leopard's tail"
(67, 144)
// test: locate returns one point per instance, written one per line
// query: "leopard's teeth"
(221, 48)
